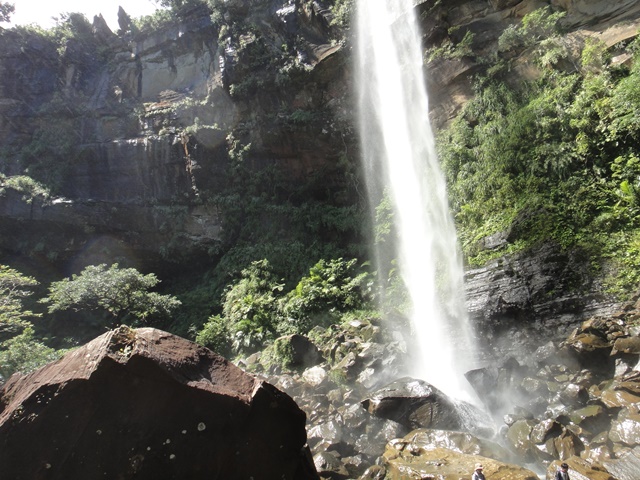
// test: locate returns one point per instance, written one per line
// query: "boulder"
(299, 351)
(418, 404)
(579, 469)
(146, 404)
(626, 428)
(499, 385)
(621, 392)
(443, 464)
(330, 466)
(518, 438)
(625, 468)
(422, 439)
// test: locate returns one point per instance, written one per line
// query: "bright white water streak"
(399, 155)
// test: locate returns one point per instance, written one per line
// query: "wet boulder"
(626, 467)
(626, 428)
(329, 465)
(593, 418)
(423, 439)
(592, 343)
(417, 404)
(498, 386)
(628, 345)
(146, 404)
(543, 441)
(519, 438)
(542, 437)
(620, 392)
(598, 449)
(401, 462)
(297, 351)
(580, 469)
(376, 434)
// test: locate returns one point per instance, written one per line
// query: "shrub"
(255, 310)
(330, 288)
(215, 335)
(249, 313)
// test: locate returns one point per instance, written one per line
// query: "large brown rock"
(146, 404)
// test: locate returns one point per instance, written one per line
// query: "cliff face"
(450, 79)
(136, 136)
(132, 135)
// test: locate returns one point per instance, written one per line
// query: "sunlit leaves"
(14, 287)
(121, 292)
(25, 353)
(566, 145)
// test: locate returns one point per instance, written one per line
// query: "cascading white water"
(399, 155)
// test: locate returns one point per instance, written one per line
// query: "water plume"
(399, 156)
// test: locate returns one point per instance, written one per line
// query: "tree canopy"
(14, 286)
(122, 292)
(20, 349)
(6, 10)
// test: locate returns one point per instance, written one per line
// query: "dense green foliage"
(256, 310)
(14, 287)
(122, 292)
(20, 350)
(25, 353)
(292, 226)
(552, 159)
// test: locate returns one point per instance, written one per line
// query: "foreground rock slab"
(146, 404)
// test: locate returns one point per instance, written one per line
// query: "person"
(563, 472)
(478, 475)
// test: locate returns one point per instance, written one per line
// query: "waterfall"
(399, 158)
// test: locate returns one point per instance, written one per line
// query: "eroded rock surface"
(146, 404)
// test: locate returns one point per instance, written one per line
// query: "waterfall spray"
(398, 150)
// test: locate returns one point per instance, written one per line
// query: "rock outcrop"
(417, 404)
(145, 404)
(541, 294)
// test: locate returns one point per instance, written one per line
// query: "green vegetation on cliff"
(555, 158)
(256, 308)
(552, 159)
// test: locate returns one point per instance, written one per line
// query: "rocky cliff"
(133, 135)
(142, 144)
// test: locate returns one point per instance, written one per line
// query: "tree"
(122, 292)
(6, 10)
(14, 286)
(20, 350)
(25, 353)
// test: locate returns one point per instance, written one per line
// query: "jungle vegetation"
(556, 158)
